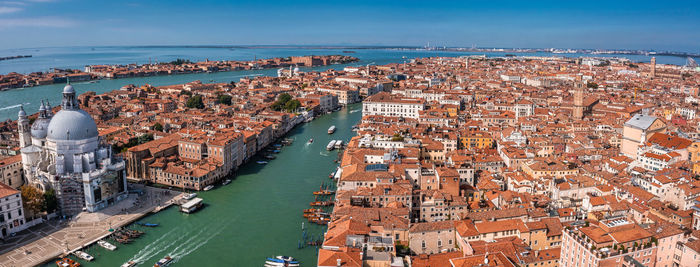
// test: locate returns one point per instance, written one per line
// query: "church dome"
(68, 89)
(40, 128)
(72, 124)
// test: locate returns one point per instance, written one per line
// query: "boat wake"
(193, 244)
(246, 75)
(324, 153)
(354, 110)
(13, 106)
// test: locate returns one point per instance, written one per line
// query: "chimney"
(338, 262)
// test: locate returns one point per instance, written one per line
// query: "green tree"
(224, 99)
(32, 199)
(284, 98)
(292, 105)
(158, 127)
(50, 201)
(195, 102)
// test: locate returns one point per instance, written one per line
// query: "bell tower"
(24, 130)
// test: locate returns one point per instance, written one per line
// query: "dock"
(59, 238)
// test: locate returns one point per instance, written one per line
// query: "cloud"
(7, 9)
(42, 22)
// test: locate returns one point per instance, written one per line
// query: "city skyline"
(597, 25)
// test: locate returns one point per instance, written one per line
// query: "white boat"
(261, 162)
(331, 130)
(83, 255)
(281, 261)
(106, 245)
(339, 144)
(163, 262)
(129, 264)
(208, 187)
(331, 145)
(310, 141)
(227, 181)
(190, 196)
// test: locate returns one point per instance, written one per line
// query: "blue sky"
(666, 25)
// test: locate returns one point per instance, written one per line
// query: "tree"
(32, 199)
(50, 201)
(592, 85)
(292, 105)
(224, 99)
(284, 98)
(158, 127)
(195, 102)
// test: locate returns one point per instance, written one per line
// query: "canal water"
(257, 215)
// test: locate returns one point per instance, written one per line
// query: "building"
(64, 152)
(636, 130)
(11, 211)
(385, 104)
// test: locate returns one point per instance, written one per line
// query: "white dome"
(40, 128)
(68, 89)
(21, 112)
(72, 125)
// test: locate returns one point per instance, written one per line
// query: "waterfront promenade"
(54, 238)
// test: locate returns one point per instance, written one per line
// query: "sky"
(612, 24)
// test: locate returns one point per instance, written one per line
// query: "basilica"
(64, 152)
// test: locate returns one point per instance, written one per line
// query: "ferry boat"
(106, 245)
(339, 144)
(331, 145)
(67, 262)
(83, 255)
(331, 130)
(227, 181)
(129, 264)
(163, 262)
(310, 141)
(191, 206)
(208, 187)
(261, 162)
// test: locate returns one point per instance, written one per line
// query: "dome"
(21, 112)
(68, 89)
(72, 125)
(40, 128)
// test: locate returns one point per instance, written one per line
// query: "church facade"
(64, 152)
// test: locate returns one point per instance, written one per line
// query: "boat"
(208, 187)
(312, 210)
(261, 162)
(163, 262)
(310, 141)
(281, 261)
(324, 192)
(331, 145)
(83, 255)
(191, 206)
(227, 181)
(339, 144)
(67, 262)
(148, 224)
(129, 264)
(276, 151)
(286, 258)
(106, 245)
(190, 196)
(321, 203)
(270, 157)
(331, 130)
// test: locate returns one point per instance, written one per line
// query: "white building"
(385, 104)
(64, 152)
(11, 212)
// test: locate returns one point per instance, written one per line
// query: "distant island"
(14, 57)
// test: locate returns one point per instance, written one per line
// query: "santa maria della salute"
(64, 152)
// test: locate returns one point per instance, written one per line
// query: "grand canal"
(258, 215)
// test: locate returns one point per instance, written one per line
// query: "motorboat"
(148, 224)
(67, 262)
(106, 245)
(310, 141)
(208, 187)
(129, 264)
(331, 145)
(83, 255)
(227, 181)
(270, 157)
(280, 261)
(261, 162)
(190, 196)
(331, 130)
(163, 262)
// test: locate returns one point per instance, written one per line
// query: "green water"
(257, 215)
